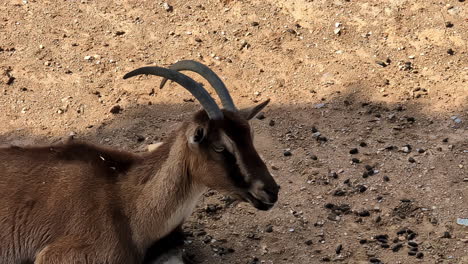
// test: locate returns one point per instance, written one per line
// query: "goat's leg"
(72, 251)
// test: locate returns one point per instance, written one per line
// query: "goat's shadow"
(352, 112)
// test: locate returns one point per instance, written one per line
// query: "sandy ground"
(388, 78)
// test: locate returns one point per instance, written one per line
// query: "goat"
(81, 203)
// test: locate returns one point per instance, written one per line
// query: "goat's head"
(221, 141)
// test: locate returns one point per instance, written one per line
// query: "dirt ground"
(385, 79)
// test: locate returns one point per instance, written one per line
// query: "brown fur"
(80, 203)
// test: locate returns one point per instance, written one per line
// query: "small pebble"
(313, 157)
(386, 178)
(316, 134)
(362, 188)
(411, 159)
(269, 229)
(450, 52)
(397, 247)
(412, 253)
(115, 109)
(355, 160)
(287, 153)
(420, 255)
(364, 213)
(354, 151)
(401, 231)
(412, 244)
(338, 249)
(448, 24)
(167, 7)
(261, 116)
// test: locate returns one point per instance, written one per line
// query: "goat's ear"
(251, 112)
(196, 136)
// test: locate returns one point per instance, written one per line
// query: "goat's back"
(48, 192)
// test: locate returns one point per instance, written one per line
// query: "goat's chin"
(257, 203)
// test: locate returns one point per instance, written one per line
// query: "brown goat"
(81, 203)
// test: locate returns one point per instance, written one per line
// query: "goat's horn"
(210, 76)
(210, 106)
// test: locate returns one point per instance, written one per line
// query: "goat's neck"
(166, 196)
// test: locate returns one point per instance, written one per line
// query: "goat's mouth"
(257, 203)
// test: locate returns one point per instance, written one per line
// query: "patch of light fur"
(173, 258)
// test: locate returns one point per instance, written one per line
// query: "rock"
(354, 151)
(397, 247)
(364, 213)
(338, 249)
(361, 188)
(382, 63)
(321, 105)
(88, 58)
(456, 119)
(446, 235)
(412, 244)
(339, 192)
(316, 134)
(260, 116)
(406, 149)
(115, 109)
(167, 7)
(462, 221)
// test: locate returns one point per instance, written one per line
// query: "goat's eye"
(218, 148)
